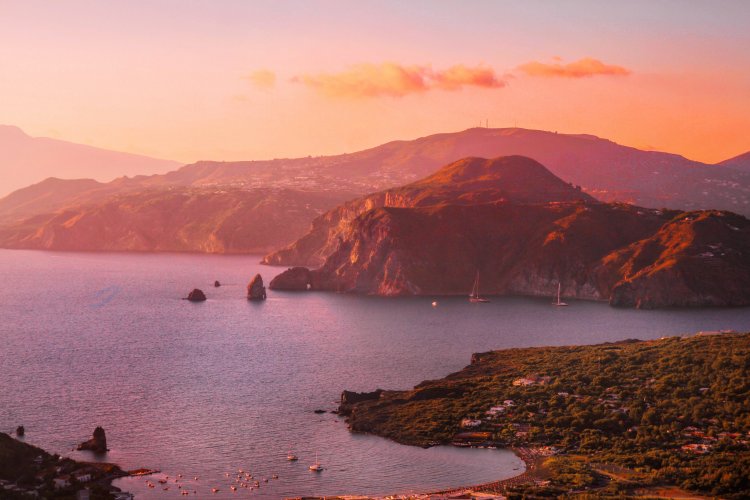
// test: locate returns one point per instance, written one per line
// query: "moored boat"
(474, 295)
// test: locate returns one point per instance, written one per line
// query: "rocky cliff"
(470, 181)
(627, 255)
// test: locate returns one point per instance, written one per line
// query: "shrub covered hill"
(670, 411)
(524, 231)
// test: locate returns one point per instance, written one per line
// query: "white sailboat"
(316, 466)
(474, 295)
(559, 302)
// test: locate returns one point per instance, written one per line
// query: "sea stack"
(196, 295)
(255, 289)
(20, 431)
(97, 444)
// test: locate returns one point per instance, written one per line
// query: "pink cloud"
(396, 80)
(262, 79)
(459, 75)
(579, 69)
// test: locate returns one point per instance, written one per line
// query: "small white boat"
(559, 303)
(474, 295)
(291, 456)
(316, 467)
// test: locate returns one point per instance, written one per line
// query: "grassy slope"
(629, 403)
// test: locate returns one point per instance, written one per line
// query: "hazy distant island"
(523, 231)
(633, 418)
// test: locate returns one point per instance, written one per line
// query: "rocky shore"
(29, 471)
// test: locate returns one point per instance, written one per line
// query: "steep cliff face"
(524, 231)
(519, 249)
(511, 179)
(626, 255)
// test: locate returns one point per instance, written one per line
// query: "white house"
(84, 477)
(468, 422)
(61, 482)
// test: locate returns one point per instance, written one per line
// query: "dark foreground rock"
(30, 472)
(196, 295)
(97, 444)
(349, 399)
(293, 279)
(255, 289)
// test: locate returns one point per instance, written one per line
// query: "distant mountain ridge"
(739, 162)
(603, 169)
(434, 245)
(27, 160)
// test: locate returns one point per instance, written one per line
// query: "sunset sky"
(229, 80)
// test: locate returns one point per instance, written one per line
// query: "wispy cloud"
(582, 68)
(396, 80)
(262, 79)
(459, 75)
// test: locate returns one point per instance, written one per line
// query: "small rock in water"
(319, 411)
(97, 444)
(217, 284)
(255, 289)
(196, 295)
(20, 431)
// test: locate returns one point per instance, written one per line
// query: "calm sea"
(207, 389)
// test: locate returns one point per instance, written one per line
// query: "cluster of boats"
(165, 485)
(316, 467)
(243, 479)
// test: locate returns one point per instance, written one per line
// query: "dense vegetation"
(674, 411)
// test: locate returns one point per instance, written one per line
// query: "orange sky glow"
(235, 80)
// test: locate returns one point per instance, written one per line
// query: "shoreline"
(532, 464)
(532, 461)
